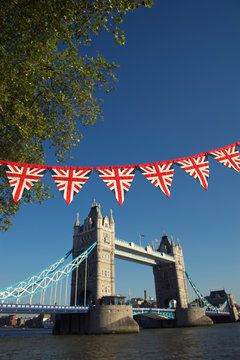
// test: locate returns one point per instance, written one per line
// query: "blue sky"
(178, 95)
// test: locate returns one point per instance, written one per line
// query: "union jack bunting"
(228, 157)
(118, 180)
(197, 167)
(70, 180)
(22, 178)
(160, 175)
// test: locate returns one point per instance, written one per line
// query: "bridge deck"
(38, 309)
(61, 309)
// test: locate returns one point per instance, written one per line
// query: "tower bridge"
(92, 271)
(167, 262)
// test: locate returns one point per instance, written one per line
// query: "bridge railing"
(27, 308)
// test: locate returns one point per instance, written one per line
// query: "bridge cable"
(202, 298)
(50, 278)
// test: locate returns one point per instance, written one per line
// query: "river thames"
(216, 342)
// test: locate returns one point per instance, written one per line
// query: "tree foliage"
(48, 83)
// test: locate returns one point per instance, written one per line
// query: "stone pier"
(192, 317)
(101, 319)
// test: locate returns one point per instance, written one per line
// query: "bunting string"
(70, 180)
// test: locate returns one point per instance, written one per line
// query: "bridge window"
(105, 256)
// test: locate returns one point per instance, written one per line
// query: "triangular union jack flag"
(22, 178)
(70, 180)
(118, 180)
(228, 156)
(197, 167)
(160, 175)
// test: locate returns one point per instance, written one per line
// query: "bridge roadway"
(39, 309)
(132, 252)
(61, 309)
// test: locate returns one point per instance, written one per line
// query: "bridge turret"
(165, 245)
(111, 221)
(170, 280)
(77, 220)
(100, 273)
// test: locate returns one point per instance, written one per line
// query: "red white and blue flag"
(160, 175)
(228, 156)
(197, 167)
(22, 178)
(70, 180)
(118, 179)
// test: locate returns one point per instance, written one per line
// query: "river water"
(215, 342)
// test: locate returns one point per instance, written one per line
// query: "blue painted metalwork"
(41, 274)
(203, 299)
(48, 278)
(217, 313)
(167, 313)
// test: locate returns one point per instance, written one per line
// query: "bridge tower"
(170, 279)
(96, 279)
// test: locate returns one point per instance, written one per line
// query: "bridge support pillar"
(101, 319)
(192, 317)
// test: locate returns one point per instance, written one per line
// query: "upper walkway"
(132, 252)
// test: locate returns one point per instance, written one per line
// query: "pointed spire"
(77, 220)
(178, 243)
(164, 234)
(172, 242)
(99, 212)
(111, 221)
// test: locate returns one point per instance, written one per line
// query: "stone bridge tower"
(170, 279)
(100, 274)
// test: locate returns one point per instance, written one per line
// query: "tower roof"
(165, 244)
(95, 212)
